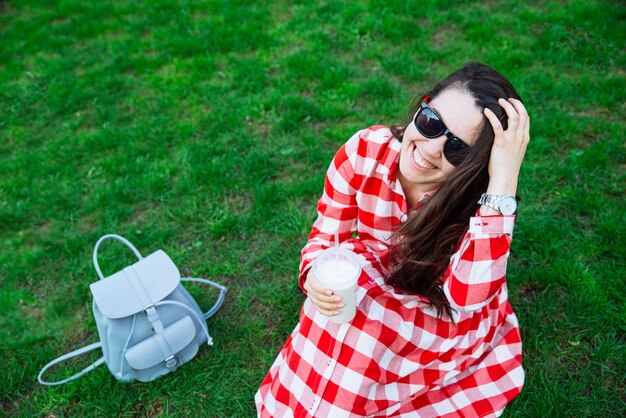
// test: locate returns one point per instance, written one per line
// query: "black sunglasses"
(429, 123)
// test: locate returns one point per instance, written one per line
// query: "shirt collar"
(388, 166)
(389, 160)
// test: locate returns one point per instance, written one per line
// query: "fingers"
(523, 128)
(518, 119)
(324, 300)
(326, 305)
(495, 123)
(328, 309)
(513, 116)
(519, 108)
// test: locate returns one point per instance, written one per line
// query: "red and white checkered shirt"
(396, 358)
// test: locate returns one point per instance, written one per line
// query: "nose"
(434, 146)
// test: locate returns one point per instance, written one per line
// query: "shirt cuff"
(303, 275)
(495, 224)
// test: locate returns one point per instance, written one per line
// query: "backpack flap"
(129, 291)
(150, 352)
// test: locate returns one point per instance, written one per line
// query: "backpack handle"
(115, 237)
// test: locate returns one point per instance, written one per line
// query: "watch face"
(508, 205)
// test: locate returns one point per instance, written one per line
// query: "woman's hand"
(508, 148)
(324, 300)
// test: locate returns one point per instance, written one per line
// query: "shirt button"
(329, 361)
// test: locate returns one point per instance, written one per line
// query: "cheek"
(410, 132)
(407, 144)
(447, 169)
(404, 160)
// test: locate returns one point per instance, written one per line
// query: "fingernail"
(340, 305)
(337, 299)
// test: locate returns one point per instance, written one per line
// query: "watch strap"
(493, 201)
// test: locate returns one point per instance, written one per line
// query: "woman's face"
(423, 166)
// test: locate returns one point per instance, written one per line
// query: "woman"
(429, 209)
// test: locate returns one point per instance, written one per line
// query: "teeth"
(421, 162)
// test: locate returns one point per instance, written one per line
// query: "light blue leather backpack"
(148, 323)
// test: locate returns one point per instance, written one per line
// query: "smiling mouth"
(421, 162)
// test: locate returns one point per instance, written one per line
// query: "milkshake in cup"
(339, 269)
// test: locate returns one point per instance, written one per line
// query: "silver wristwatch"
(505, 204)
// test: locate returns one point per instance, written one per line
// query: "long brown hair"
(429, 237)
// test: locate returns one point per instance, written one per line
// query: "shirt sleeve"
(337, 207)
(478, 269)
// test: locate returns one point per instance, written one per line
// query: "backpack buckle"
(170, 361)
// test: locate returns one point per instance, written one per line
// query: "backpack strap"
(220, 298)
(70, 355)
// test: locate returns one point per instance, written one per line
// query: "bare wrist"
(502, 186)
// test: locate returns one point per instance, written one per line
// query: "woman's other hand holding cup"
(324, 300)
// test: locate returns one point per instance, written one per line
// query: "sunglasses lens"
(428, 123)
(455, 150)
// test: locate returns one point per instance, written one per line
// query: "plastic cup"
(339, 269)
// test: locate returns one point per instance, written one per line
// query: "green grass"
(205, 128)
